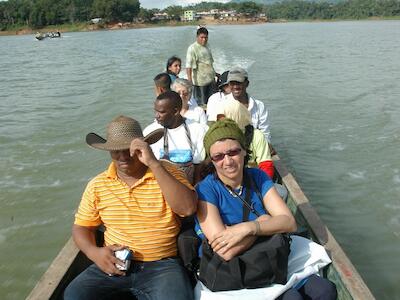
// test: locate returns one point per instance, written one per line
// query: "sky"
(165, 3)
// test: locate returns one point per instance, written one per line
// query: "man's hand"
(143, 151)
(105, 259)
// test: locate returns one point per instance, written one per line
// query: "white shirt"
(213, 105)
(196, 114)
(259, 115)
(178, 144)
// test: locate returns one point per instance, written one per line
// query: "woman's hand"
(231, 236)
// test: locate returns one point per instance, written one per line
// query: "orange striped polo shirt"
(137, 217)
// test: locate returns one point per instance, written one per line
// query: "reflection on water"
(331, 88)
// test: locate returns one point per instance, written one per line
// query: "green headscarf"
(223, 129)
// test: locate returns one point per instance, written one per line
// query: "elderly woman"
(190, 110)
(220, 213)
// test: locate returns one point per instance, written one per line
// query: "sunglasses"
(220, 156)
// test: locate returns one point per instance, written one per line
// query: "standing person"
(199, 67)
(182, 143)
(173, 67)
(191, 112)
(216, 99)
(162, 83)
(136, 201)
(239, 81)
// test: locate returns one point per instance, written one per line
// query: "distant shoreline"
(84, 27)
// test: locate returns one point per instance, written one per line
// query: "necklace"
(233, 193)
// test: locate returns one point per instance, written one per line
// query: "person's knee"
(170, 282)
(318, 288)
(291, 294)
(72, 292)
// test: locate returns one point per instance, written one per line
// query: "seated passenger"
(136, 201)
(259, 154)
(173, 67)
(162, 83)
(182, 142)
(216, 99)
(189, 111)
(220, 213)
(238, 80)
(259, 150)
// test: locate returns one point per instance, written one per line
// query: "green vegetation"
(40, 13)
(44, 13)
(352, 9)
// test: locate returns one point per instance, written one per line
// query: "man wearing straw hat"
(136, 200)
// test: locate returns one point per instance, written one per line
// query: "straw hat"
(120, 133)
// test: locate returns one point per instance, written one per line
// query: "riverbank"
(81, 27)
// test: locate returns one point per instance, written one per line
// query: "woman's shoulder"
(207, 181)
(210, 182)
(257, 174)
(172, 76)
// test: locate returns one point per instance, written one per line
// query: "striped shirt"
(137, 216)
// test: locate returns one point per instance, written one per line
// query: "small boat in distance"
(70, 261)
(53, 34)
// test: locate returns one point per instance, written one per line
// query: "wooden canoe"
(70, 261)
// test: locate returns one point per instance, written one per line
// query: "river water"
(332, 90)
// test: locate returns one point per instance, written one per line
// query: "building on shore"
(188, 15)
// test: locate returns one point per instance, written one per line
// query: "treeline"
(351, 9)
(41, 13)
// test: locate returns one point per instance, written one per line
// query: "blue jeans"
(162, 279)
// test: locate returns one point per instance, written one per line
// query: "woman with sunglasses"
(220, 212)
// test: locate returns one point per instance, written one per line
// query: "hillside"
(267, 2)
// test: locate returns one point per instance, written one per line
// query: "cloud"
(165, 3)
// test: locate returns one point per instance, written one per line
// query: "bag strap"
(253, 184)
(247, 202)
(165, 146)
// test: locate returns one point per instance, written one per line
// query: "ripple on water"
(41, 186)
(68, 152)
(396, 178)
(357, 174)
(9, 231)
(338, 146)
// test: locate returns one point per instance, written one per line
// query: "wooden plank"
(347, 273)
(52, 278)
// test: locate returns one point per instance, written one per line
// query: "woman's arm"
(281, 219)
(236, 239)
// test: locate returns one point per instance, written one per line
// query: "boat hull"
(70, 261)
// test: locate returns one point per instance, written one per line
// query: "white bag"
(306, 258)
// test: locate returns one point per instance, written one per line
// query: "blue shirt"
(230, 208)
